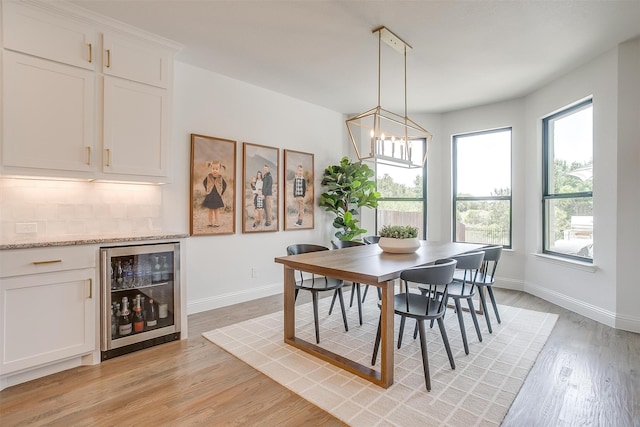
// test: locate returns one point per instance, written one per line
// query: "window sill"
(571, 263)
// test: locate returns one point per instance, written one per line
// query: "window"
(482, 187)
(567, 186)
(403, 193)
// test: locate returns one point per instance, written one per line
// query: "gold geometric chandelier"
(384, 136)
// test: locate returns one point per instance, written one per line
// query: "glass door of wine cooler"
(140, 297)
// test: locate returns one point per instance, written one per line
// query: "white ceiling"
(465, 53)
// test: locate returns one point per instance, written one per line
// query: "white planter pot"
(399, 246)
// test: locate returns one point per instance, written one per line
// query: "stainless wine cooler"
(140, 297)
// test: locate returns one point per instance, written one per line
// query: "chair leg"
(376, 346)
(402, 321)
(344, 313)
(364, 295)
(359, 303)
(445, 340)
(379, 293)
(333, 301)
(415, 330)
(463, 332)
(425, 357)
(295, 298)
(474, 317)
(353, 288)
(314, 298)
(493, 302)
(483, 301)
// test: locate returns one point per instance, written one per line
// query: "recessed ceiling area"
(323, 52)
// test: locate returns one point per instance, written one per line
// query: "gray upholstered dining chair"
(317, 284)
(430, 306)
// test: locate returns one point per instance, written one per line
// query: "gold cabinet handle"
(89, 156)
(90, 53)
(51, 261)
(108, 156)
(90, 288)
(108, 58)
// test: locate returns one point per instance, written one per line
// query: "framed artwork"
(260, 165)
(212, 186)
(298, 190)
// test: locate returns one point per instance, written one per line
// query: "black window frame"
(548, 196)
(423, 199)
(454, 173)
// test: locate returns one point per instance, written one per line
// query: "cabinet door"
(48, 36)
(46, 317)
(136, 123)
(48, 111)
(135, 60)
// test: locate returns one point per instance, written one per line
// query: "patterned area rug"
(478, 392)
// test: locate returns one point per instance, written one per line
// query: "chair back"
(303, 248)
(371, 240)
(470, 263)
(340, 244)
(440, 273)
(492, 255)
(431, 277)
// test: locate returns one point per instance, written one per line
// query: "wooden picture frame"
(212, 186)
(260, 189)
(299, 198)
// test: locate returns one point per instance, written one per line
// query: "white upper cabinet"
(48, 116)
(53, 37)
(135, 60)
(83, 96)
(135, 128)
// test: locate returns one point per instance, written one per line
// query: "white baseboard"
(512, 284)
(231, 298)
(606, 317)
(628, 323)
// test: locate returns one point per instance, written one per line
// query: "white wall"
(591, 292)
(606, 291)
(628, 191)
(219, 267)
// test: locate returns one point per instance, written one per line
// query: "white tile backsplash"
(68, 208)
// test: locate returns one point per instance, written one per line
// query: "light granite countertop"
(44, 242)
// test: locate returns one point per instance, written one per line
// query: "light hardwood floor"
(587, 374)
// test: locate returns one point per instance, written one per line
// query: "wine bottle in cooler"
(166, 269)
(152, 314)
(125, 325)
(138, 320)
(156, 275)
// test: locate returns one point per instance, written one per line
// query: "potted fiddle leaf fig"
(399, 239)
(349, 187)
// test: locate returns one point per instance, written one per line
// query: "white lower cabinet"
(49, 300)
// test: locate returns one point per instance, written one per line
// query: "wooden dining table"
(367, 265)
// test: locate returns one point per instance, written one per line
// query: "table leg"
(386, 334)
(289, 303)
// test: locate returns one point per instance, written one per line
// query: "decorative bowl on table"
(399, 246)
(399, 239)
